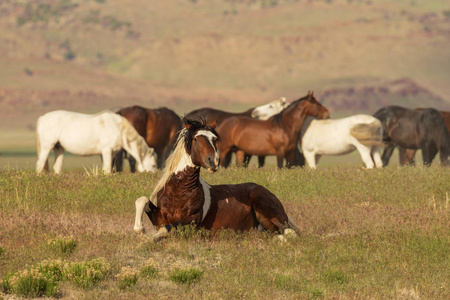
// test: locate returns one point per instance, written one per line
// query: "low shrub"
(63, 245)
(185, 276)
(127, 278)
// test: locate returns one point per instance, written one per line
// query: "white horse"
(266, 111)
(104, 133)
(342, 136)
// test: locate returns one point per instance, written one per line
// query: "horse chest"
(180, 200)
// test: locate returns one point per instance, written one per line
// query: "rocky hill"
(88, 55)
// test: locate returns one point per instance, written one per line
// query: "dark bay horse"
(407, 155)
(276, 136)
(159, 127)
(182, 197)
(413, 129)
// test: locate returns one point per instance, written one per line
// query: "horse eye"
(195, 139)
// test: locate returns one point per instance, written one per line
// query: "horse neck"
(294, 118)
(183, 189)
(246, 113)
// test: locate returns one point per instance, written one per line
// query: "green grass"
(364, 234)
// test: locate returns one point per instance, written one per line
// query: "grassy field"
(378, 234)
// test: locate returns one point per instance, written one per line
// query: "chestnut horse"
(159, 127)
(276, 136)
(182, 197)
(259, 112)
(407, 155)
(412, 129)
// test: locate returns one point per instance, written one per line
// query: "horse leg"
(376, 156)
(42, 162)
(365, 153)
(118, 160)
(107, 159)
(429, 151)
(406, 156)
(59, 157)
(132, 162)
(261, 161)
(246, 161)
(290, 159)
(299, 160)
(387, 154)
(310, 158)
(444, 155)
(280, 160)
(142, 204)
(270, 213)
(225, 157)
(240, 158)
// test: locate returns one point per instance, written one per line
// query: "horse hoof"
(162, 233)
(139, 229)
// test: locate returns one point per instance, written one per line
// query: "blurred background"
(92, 55)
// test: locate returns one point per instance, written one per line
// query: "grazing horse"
(412, 129)
(104, 133)
(342, 136)
(260, 113)
(183, 197)
(407, 155)
(159, 127)
(276, 136)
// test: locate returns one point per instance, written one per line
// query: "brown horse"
(407, 155)
(159, 127)
(182, 197)
(276, 136)
(218, 116)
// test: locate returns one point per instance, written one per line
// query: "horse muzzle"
(212, 163)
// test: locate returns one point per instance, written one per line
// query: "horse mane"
(171, 164)
(129, 134)
(278, 118)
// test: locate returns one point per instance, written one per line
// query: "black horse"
(414, 129)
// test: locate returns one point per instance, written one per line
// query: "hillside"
(97, 54)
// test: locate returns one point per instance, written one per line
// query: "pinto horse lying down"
(182, 197)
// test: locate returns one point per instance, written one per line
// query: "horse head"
(149, 163)
(264, 112)
(200, 144)
(314, 108)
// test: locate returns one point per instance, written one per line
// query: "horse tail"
(368, 134)
(293, 225)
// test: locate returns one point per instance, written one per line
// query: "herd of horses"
(207, 137)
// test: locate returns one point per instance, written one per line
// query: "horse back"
(162, 127)
(211, 114)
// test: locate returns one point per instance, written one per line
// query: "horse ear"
(213, 124)
(187, 126)
(309, 94)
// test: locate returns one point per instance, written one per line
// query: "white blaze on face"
(209, 136)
